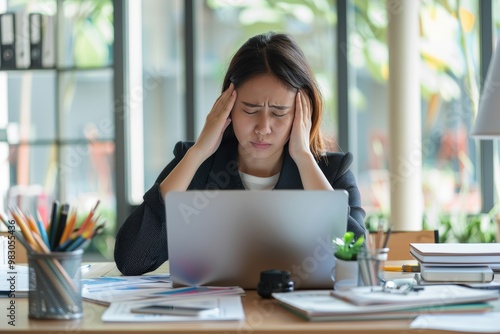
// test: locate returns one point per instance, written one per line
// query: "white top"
(251, 182)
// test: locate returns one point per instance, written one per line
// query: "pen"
(85, 267)
(407, 268)
(393, 268)
(387, 236)
(380, 235)
(411, 268)
(176, 310)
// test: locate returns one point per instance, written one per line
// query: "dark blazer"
(141, 242)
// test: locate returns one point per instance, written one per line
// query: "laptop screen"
(227, 237)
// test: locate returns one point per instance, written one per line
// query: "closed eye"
(278, 115)
(249, 112)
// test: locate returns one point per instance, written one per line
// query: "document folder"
(22, 40)
(35, 21)
(7, 41)
(48, 41)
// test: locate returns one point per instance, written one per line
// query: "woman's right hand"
(208, 142)
(216, 123)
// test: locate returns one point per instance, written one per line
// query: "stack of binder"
(457, 262)
(27, 40)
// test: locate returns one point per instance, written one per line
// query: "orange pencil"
(69, 227)
(32, 224)
(89, 230)
(88, 218)
(28, 236)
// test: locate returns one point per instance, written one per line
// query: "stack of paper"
(106, 290)
(430, 295)
(456, 263)
(14, 281)
(124, 293)
(363, 304)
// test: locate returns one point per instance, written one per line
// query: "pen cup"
(54, 285)
(371, 264)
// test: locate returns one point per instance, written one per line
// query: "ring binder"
(22, 40)
(7, 41)
(35, 31)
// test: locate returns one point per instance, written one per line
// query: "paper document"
(105, 296)
(152, 290)
(14, 281)
(109, 281)
(229, 308)
(430, 295)
(319, 305)
(107, 289)
(473, 323)
(196, 291)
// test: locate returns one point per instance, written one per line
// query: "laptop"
(228, 237)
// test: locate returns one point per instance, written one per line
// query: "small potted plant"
(347, 248)
(345, 272)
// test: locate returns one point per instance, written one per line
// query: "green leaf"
(348, 238)
(359, 242)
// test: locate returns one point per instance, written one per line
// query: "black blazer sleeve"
(141, 242)
(336, 169)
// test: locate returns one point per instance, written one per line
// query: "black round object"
(274, 281)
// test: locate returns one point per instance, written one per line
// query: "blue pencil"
(70, 244)
(76, 244)
(41, 229)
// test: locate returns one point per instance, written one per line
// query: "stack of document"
(368, 303)
(106, 290)
(151, 298)
(456, 263)
(14, 281)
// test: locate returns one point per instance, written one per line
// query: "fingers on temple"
(230, 98)
(301, 103)
(225, 101)
(306, 105)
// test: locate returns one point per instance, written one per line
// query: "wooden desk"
(262, 316)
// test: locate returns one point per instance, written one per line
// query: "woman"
(263, 132)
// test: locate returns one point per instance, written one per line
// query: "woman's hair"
(279, 55)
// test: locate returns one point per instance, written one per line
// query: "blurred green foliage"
(459, 227)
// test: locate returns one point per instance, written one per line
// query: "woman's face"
(262, 117)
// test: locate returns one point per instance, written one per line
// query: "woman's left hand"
(301, 127)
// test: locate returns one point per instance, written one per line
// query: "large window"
(56, 123)
(163, 80)
(220, 28)
(449, 68)
(449, 82)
